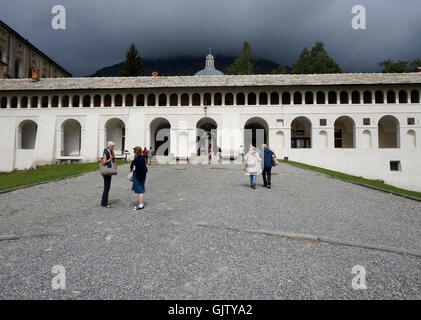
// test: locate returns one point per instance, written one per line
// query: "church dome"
(209, 67)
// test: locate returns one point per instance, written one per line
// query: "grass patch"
(46, 173)
(360, 180)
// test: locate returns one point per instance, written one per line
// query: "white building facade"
(361, 124)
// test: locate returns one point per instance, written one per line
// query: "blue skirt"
(138, 186)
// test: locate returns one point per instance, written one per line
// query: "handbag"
(105, 171)
(130, 176)
(274, 162)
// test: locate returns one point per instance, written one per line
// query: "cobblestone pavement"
(182, 245)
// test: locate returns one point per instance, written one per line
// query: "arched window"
(217, 99)
(368, 97)
(14, 102)
(415, 96)
(321, 98)
(196, 99)
(4, 102)
(118, 100)
(343, 97)
(86, 101)
(286, 98)
(356, 98)
(173, 100)
(151, 100)
(24, 102)
(75, 101)
(97, 100)
(129, 100)
(185, 99)
(54, 102)
(411, 139)
(251, 99)
(388, 132)
(34, 102)
(274, 98)
(44, 102)
(309, 97)
(65, 102)
(207, 99)
(27, 134)
(298, 99)
(241, 100)
(229, 99)
(332, 97)
(263, 98)
(379, 96)
(140, 100)
(162, 100)
(107, 100)
(391, 96)
(403, 96)
(18, 68)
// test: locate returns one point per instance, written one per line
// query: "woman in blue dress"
(139, 169)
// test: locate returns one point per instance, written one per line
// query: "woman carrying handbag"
(107, 169)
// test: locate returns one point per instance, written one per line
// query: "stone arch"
(160, 132)
(344, 132)
(27, 134)
(206, 135)
(388, 127)
(323, 140)
(301, 128)
(366, 139)
(71, 137)
(411, 138)
(256, 132)
(115, 131)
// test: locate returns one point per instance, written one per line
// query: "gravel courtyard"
(204, 234)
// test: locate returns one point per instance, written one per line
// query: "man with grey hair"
(108, 158)
(267, 163)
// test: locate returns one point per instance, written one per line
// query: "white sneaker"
(139, 207)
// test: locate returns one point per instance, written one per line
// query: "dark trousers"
(267, 175)
(107, 185)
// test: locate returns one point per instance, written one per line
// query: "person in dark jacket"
(107, 159)
(138, 166)
(267, 164)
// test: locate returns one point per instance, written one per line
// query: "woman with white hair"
(107, 158)
(253, 165)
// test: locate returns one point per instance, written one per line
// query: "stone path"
(188, 244)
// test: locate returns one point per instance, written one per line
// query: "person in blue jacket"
(267, 156)
(138, 166)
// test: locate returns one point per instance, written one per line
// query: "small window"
(323, 122)
(395, 166)
(411, 121)
(280, 122)
(366, 121)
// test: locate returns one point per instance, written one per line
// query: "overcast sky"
(99, 31)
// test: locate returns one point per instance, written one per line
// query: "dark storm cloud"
(99, 31)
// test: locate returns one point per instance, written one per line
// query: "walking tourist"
(269, 159)
(108, 158)
(138, 166)
(145, 154)
(253, 165)
(150, 155)
(241, 152)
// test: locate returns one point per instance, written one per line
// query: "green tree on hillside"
(133, 65)
(280, 70)
(316, 60)
(399, 66)
(245, 63)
